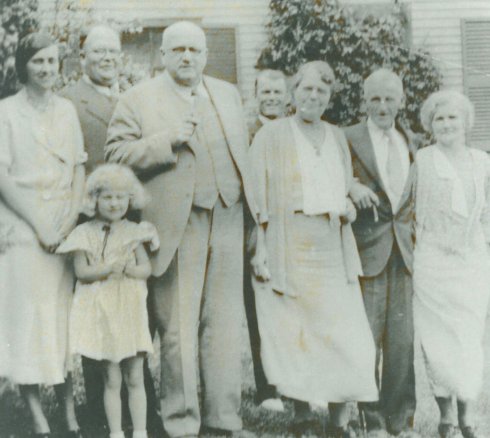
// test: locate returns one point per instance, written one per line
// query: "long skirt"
(316, 347)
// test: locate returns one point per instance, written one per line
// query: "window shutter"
(476, 77)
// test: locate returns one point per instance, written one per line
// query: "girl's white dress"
(452, 270)
(109, 318)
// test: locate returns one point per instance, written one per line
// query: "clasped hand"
(184, 131)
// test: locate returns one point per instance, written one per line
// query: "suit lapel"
(97, 105)
(363, 147)
(227, 117)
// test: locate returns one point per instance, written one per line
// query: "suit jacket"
(375, 239)
(253, 127)
(94, 111)
(139, 136)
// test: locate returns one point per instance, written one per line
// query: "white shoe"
(273, 404)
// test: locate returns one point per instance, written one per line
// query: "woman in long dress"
(316, 344)
(451, 261)
(41, 186)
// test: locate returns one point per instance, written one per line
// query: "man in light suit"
(95, 96)
(382, 155)
(185, 136)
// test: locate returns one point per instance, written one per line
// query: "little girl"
(109, 320)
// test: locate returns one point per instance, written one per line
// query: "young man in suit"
(381, 156)
(185, 135)
(95, 96)
(271, 93)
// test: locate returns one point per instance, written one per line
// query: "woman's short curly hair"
(113, 177)
(321, 67)
(446, 97)
(28, 46)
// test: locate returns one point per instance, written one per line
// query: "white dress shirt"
(112, 91)
(380, 142)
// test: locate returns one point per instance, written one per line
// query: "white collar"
(375, 129)
(112, 91)
(184, 91)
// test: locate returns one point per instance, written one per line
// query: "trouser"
(264, 390)
(198, 306)
(388, 303)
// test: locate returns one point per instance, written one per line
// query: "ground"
(14, 420)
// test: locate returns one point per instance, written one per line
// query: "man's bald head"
(182, 28)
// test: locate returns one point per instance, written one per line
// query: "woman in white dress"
(451, 261)
(316, 344)
(41, 186)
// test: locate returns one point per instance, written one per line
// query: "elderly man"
(381, 156)
(185, 136)
(271, 93)
(95, 96)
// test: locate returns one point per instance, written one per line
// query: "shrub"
(306, 30)
(67, 23)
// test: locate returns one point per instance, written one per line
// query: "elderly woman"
(451, 262)
(41, 186)
(316, 343)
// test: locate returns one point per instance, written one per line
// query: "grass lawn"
(14, 420)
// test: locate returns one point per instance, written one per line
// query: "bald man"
(381, 157)
(95, 95)
(185, 135)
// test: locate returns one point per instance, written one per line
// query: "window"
(476, 77)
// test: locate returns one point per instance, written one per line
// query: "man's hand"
(184, 131)
(363, 196)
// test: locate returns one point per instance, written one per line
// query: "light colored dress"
(40, 151)
(451, 270)
(316, 344)
(109, 318)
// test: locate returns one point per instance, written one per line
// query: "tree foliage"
(354, 46)
(17, 17)
(67, 22)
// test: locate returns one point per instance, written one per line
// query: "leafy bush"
(17, 17)
(306, 30)
(71, 18)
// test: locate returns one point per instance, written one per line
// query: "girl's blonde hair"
(109, 177)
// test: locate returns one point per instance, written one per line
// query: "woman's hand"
(350, 214)
(48, 236)
(259, 264)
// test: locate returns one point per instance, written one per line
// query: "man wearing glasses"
(184, 134)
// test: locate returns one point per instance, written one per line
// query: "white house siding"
(248, 16)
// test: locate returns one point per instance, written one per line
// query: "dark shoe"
(446, 430)
(42, 435)
(469, 432)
